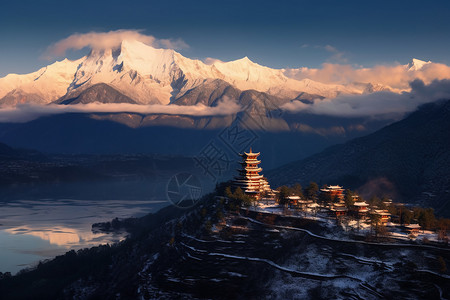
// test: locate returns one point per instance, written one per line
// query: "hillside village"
(376, 218)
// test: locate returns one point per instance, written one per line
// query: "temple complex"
(334, 191)
(249, 179)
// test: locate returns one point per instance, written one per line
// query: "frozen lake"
(34, 230)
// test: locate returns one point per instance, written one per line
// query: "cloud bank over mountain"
(128, 71)
(109, 40)
(379, 104)
(28, 112)
(397, 77)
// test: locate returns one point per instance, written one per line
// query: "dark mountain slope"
(83, 133)
(409, 160)
(208, 93)
(99, 92)
(8, 153)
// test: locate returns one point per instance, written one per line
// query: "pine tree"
(298, 190)
(311, 191)
(283, 195)
(348, 199)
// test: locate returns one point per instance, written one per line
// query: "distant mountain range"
(408, 160)
(148, 75)
(136, 73)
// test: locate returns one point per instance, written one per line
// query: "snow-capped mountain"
(43, 86)
(417, 64)
(148, 75)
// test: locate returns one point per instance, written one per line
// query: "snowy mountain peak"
(147, 60)
(417, 64)
(43, 86)
(150, 75)
(244, 60)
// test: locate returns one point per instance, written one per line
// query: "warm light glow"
(60, 236)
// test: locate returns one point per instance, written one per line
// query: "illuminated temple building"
(334, 191)
(249, 179)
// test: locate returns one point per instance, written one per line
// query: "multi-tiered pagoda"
(249, 179)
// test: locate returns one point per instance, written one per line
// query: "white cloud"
(379, 104)
(395, 76)
(330, 48)
(27, 112)
(337, 55)
(107, 40)
(211, 61)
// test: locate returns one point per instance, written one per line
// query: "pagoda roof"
(339, 209)
(254, 178)
(335, 187)
(251, 153)
(381, 212)
(251, 192)
(305, 201)
(253, 169)
(250, 161)
(245, 180)
(248, 174)
(413, 226)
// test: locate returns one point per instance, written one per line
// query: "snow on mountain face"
(417, 64)
(141, 72)
(138, 71)
(148, 75)
(246, 74)
(46, 85)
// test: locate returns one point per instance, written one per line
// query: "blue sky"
(272, 33)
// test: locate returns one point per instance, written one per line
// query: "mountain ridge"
(157, 76)
(99, 92)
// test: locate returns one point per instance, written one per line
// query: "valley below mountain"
(78, 133)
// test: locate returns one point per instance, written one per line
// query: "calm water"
(34, 230)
